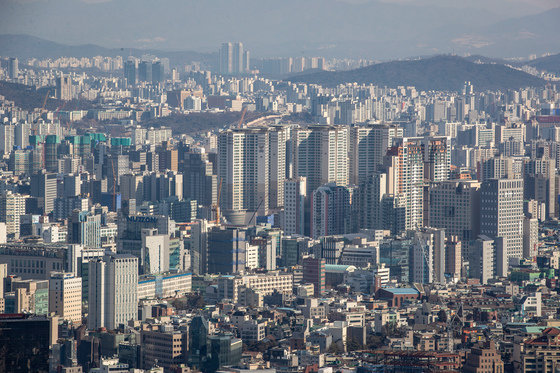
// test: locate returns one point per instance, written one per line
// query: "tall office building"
(51, 145)
(112, 297)
(320, 153)
(26, 341)
(72, 185)
(454, 205)
(295, 195)
(12, 207)
(244, 171)
(155, 252)
(199, 351)
(158, 72)
(199, 181)
(226, 250)
(405, 173)
(131, 71)
(44, 187)
(233, 59)
(367, 148)
(132, 187)
(501, 213)
(65, 297)
(145, 71)
(64, 88)
(225, 59)
(13, 68)
(84, 228)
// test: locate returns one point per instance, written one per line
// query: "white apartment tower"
(12, 207)
(367, 147)
(405, 172)
(320, 153)
(244, 171)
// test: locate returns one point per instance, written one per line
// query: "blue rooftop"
(405, 291)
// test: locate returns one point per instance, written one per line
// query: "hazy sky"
(368, 28)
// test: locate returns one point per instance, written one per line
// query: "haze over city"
(296, 186)
(380, 29)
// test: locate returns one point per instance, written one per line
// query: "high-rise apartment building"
(244, 170)
(367, 148)
(320, 153)
(437, 158)
(277, 137)
(112, 298)
(233, 59)
(295, 195)
(12, 207)
(65, 297)
(405, 172)
(501, 213)
(371, 192)
(331, 210)
(64, 88)
(7, 137)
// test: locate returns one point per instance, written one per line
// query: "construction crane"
(45, 100)
(55, 115)
(217, 205)
(255, 213)
(114, 184)
(242, 117)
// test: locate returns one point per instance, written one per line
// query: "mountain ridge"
(441, 72)
(27, 46)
